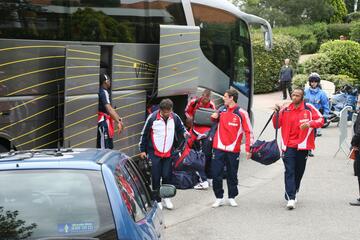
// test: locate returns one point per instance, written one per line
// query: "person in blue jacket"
(317, 97)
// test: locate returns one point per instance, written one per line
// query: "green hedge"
(344, 57)
(267, 64)
(301, 80)
(355, 32)
(354, 16)
(335, 30)
(309, 36)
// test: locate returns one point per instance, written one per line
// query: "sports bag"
(266, 152)
(184, 179)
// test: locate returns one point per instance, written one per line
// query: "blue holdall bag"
(184, 179)
(266, 152)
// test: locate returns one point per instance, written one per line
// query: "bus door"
(179, 53)
(82, 68)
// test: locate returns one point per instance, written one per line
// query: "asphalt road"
(322, 212)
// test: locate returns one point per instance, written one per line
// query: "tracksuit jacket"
(233, 122)
(158, 135)
(290, 119)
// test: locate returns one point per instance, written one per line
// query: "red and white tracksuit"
(233, 122)
(290, 119)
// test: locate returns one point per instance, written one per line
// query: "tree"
(13, 228)
(339, 10)
(351, 5)
(293, 12)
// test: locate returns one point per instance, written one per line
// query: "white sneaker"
(218, 202)
(296, 200)
(233, 202)
(210, 182)
(160, 205)
(168, 204)
(202, 185)
(290, 205)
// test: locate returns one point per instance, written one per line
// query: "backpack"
(266, 152)
(213, 129)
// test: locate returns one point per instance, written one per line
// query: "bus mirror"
(267, 38)
(267, 41)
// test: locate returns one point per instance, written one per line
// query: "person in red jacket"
(197, 130)
(232, 123)
(297, 122)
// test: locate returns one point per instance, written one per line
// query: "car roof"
(78, 158)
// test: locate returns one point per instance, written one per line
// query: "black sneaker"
(355, 203)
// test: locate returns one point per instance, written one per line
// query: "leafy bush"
(344, 57)
(267, 64)
(355, 32)
(321, 32)
(319, 63)
(301, 80)
(354, 16)
(335, 30)
(303, 34)
(310, 36)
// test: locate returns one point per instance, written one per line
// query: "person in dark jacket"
(156, 143)
(285, 77)
(106, 116)
(355, 143)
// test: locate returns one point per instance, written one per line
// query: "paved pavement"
(322, 212)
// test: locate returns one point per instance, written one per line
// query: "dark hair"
(166, 104)
(206, 92)
(103, 78)
(232, 93)
(301, 90)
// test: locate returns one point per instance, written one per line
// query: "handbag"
(266, 152)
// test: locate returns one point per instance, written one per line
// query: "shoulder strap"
(195, 102)
(267, 123)
(307, 107)
(237, 111)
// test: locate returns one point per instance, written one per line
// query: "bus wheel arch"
(4, 145)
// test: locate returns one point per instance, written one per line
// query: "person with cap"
(106, 116)
(317, 97)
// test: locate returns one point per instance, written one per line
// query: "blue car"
(76, 194)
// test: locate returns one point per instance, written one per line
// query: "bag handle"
(267, 123)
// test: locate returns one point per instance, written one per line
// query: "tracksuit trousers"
(231, 161)
(160, 173)
(295, 163)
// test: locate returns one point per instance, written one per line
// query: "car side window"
(129, 194)
(140, 185)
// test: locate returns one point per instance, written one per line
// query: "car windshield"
(53, 203)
